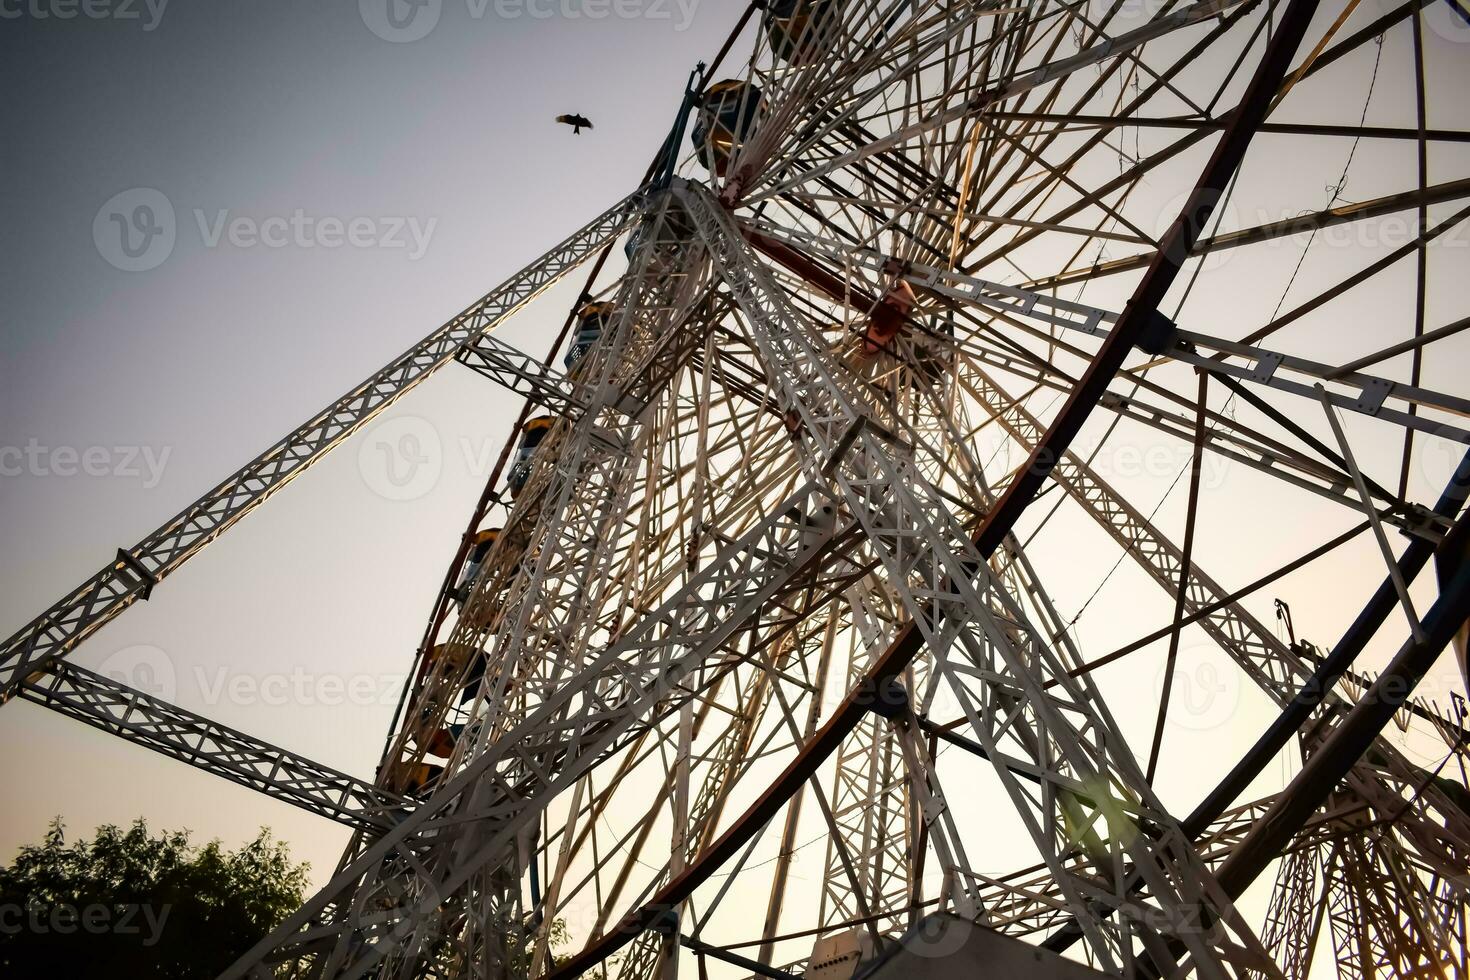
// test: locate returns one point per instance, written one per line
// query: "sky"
(339, 186)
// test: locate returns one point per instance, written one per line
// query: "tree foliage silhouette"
(130, 904)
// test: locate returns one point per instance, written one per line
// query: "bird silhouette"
(578, 123)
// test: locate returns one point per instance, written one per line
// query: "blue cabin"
(592, 319)
(532, 433)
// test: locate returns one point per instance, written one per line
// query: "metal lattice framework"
(772, 580)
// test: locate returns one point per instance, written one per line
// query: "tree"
(128, 904)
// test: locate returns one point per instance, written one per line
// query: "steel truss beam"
(132, 576)
(181, 734)
(522, 374)
(1278, 461)
(883, 832)
(547, 716)
(1188, 347)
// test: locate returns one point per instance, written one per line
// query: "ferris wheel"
(841, 603)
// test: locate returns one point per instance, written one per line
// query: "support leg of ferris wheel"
(541, 636)
(874, 489)
(885, 824)
(1294, 918)
(693, 628)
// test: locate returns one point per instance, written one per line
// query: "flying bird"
(578, 123)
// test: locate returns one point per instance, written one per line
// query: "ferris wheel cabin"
(727, 116)
(592, 319)
(532, 434)
(801, 29)
(480, 546)
(889, 316)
